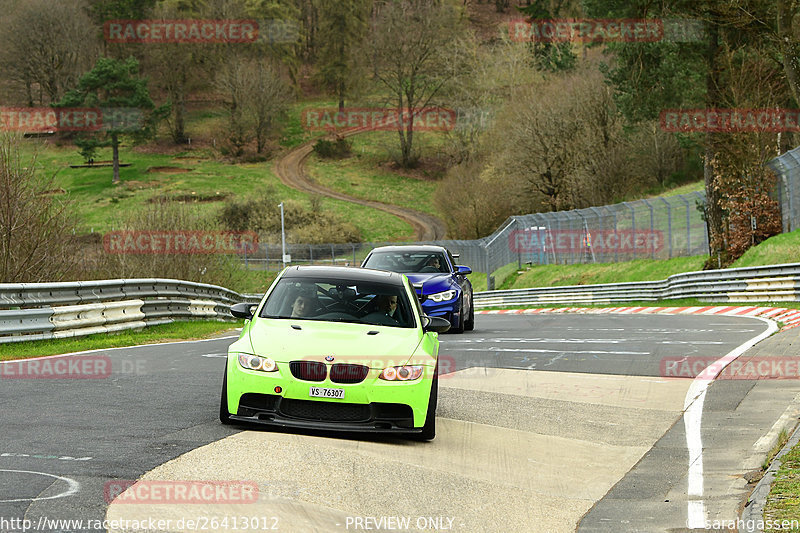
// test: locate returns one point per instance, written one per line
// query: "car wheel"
(469, 324)
(224, 415)
(429, 429)
(460, 328)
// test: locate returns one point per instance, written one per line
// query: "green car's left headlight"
(255, 362)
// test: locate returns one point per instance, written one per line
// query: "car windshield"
(332, 300)
(408, 262)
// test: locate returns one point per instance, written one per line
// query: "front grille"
(327, 411)
(342, 373)
(308, 370)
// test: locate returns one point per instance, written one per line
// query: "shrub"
(338, 148)
(36, 226)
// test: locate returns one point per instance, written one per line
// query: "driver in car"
(303, 306)
(386, 304)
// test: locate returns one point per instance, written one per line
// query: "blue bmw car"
(442, 286)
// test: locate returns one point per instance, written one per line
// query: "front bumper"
(447, 310)
(372, 405)
(276, 410)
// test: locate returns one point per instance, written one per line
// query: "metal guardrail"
(38, 311)
(777, 283)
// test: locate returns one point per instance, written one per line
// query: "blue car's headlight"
(254, 362)
(442, 296)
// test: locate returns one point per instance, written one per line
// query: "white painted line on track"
(582, 341)
(535, 350)
(692, 420)
(117, 348)
(72, 486)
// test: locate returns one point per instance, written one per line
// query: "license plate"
(322, 392)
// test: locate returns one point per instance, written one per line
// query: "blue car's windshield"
(408, 262)
(333, 300)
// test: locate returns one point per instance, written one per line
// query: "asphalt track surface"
(63, 440)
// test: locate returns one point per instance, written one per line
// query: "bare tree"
(46, 45)
(412, 49)
(564, 140)
(256, 96)
(177, 69)
(494, 73)
(35, 225)
(267, 100)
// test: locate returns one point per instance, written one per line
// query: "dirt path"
(291, 170)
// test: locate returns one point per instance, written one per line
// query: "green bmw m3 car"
(346, 349)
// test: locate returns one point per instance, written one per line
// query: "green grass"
(150, 335)
(294, 134)
(592, 273)
(783, 502)
(686, 188)
(366, 174)
(784, 248)
(98, 203)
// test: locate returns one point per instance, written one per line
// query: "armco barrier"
(37, 311)
(777, 283)
(34, 311)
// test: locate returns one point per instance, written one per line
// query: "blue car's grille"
(308, 370)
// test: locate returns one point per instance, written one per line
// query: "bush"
(36, 226)
(214, 268)
(338, 148)
(304, 224)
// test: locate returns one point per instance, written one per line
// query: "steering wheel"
(338, 299)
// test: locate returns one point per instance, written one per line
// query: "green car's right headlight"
(255, 362)
(401, 373)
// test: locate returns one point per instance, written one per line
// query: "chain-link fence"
(787, 168)
(658, 228)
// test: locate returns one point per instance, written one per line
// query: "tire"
(429, 429)
(469, 324)
(224, 415)
(460, 328)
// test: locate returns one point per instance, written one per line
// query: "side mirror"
(434, 323)
(243, 310)
(463, 270)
